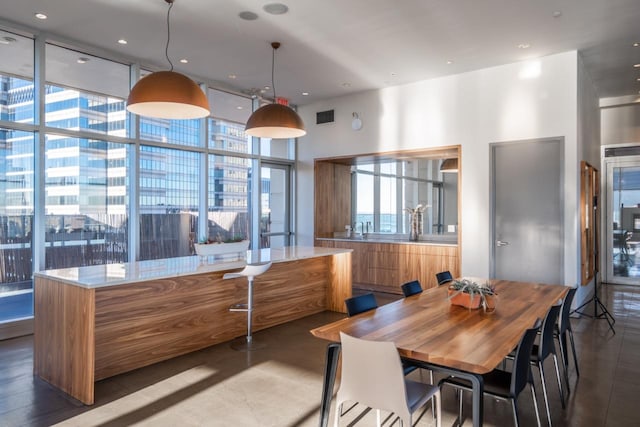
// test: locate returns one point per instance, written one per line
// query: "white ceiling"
(335, 47)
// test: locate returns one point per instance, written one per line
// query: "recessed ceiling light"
(346, 84)
(557, 14)
(7, 40)
(232, 76)
(82, 60)
(524, 46)
(275, 8)
(122, 41)
(184, 60)
(238, 107)
(267, 87)
(40, 15)
(636, 65)
(449, 62)
(636, 44)
(305, 93)
(248, 16)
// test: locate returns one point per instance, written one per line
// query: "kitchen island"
(95, 322)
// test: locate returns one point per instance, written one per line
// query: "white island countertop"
(97, 276)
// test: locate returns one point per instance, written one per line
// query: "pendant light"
(449, 165)
(275, 120)
(168, 94)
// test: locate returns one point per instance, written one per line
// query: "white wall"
(620, 120)
(588, 150)
(517, 101)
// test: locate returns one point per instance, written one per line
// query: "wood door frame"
(492, 200)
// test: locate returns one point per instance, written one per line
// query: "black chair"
(360, 304)
(506, 385)
(444, 277)
(411, 288)
(562, 327)
(544, 349)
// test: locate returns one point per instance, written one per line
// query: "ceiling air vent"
(324, 117)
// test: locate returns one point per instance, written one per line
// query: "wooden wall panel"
(332, 186)
(63, 337)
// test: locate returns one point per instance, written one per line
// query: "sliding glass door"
(275, 201)
(623, 221)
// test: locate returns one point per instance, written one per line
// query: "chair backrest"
(444, 277)
(547, 345)
(521, 363)
(411, 288)
(372, 375)
(564, 322)
(360, 304)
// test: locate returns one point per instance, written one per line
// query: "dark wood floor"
(281, 385)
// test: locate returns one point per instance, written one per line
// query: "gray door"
(527, 229)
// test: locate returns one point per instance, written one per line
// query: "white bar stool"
(250, 272)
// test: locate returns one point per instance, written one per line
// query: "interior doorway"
(527, 211)
(622, 218)
(275, 205)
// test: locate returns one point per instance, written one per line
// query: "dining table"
(432, 333)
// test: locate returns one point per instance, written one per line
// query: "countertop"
(433, 242)
(96, 276)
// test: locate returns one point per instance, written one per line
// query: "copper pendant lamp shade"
(275, 120)
(168, 94)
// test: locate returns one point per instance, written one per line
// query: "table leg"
(331, 365)
(478, 406)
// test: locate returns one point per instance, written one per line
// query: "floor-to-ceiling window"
(83, 182)
(17, 147)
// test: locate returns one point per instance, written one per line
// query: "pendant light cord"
(273, 67)
(166, 48)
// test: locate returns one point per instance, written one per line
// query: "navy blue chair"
(360, 304)
(563, 327)
(506, 385)
(411, 288)
(444, 277)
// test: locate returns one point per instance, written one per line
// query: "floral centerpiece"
(469, 294)
(219, 246)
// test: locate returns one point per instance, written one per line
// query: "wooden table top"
(426, 327)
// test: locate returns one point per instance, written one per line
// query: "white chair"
(372, 375)
(250, 272)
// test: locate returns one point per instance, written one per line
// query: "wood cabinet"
(84, 334)
(384, 267)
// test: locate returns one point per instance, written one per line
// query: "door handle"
(501, 243)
